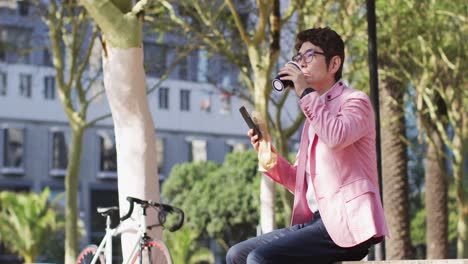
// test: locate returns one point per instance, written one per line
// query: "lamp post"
(374, 95)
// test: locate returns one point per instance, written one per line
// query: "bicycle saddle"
(105, 211)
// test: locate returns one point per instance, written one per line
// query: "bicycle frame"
(106, 243)
(126, 226)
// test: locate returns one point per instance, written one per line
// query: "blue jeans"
(303, 243)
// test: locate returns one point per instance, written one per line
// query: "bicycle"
(103, 253)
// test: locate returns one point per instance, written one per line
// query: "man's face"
(316, 72)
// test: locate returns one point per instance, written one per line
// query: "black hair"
(328, 40)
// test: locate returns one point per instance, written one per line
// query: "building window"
(184, 100)
(47, 58)
(205, 103)
(13, 150)
(25, 85)
(108, 155)
(23, 8)
(163, 98)
(155, 59)
(61, 141)
(197, 150)
(104, 198)
(234, 146)
(49, 87)
(2, 49)
(183, 69)
(3, 83)
(160, 153)
(15, 44)
(225, 103)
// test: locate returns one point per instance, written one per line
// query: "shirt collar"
(334, 91)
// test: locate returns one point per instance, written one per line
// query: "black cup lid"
(277, 85)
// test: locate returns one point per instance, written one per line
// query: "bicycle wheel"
(87, 255)
(155, 248)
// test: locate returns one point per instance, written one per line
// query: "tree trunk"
(436, 200)
(125, 85)
(267, 186)
(71, 190)
(287, 198)
(134, 134)
(394, 171)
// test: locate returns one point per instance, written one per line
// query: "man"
(337, 212)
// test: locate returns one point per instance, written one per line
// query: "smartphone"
(250, 122)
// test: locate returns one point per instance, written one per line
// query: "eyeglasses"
(308, 56)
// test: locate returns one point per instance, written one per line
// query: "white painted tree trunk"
(267, 205)
(125, 85)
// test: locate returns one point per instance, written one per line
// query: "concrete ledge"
(417, 261)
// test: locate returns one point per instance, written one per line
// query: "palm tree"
(436, 200)
(26, 222)
(393, 63)
(394, 171)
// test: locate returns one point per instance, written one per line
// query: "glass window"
(163, 94)
(202, 66)
(184, 100)
(25, 85)
(47, 58)
(23, 7)
(3, 83)
(108, 154)
(15, 44)
(49, 87)
(235, 146)
(205, 103)
(13, 148)
(225, 103)
(61, 141)
(197, 150)
(183, 69)
(104, 198)
(2, 49)
(155, 59)
(58, 195)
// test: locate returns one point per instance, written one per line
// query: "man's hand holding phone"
(254, 139)
(254, 132)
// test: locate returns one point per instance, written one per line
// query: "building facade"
(194, 120)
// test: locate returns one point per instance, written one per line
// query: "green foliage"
(418, 228)
(183, 177)
(185, 248)
(26, 222)
(221, 202)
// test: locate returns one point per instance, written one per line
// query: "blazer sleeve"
(351, 122)
(283, 173)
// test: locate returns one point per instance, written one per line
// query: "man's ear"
(335, 64)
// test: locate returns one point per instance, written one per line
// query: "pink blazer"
(343, 167)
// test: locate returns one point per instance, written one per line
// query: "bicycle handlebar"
(161, 217)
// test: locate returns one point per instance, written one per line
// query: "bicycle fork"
(144, 238)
